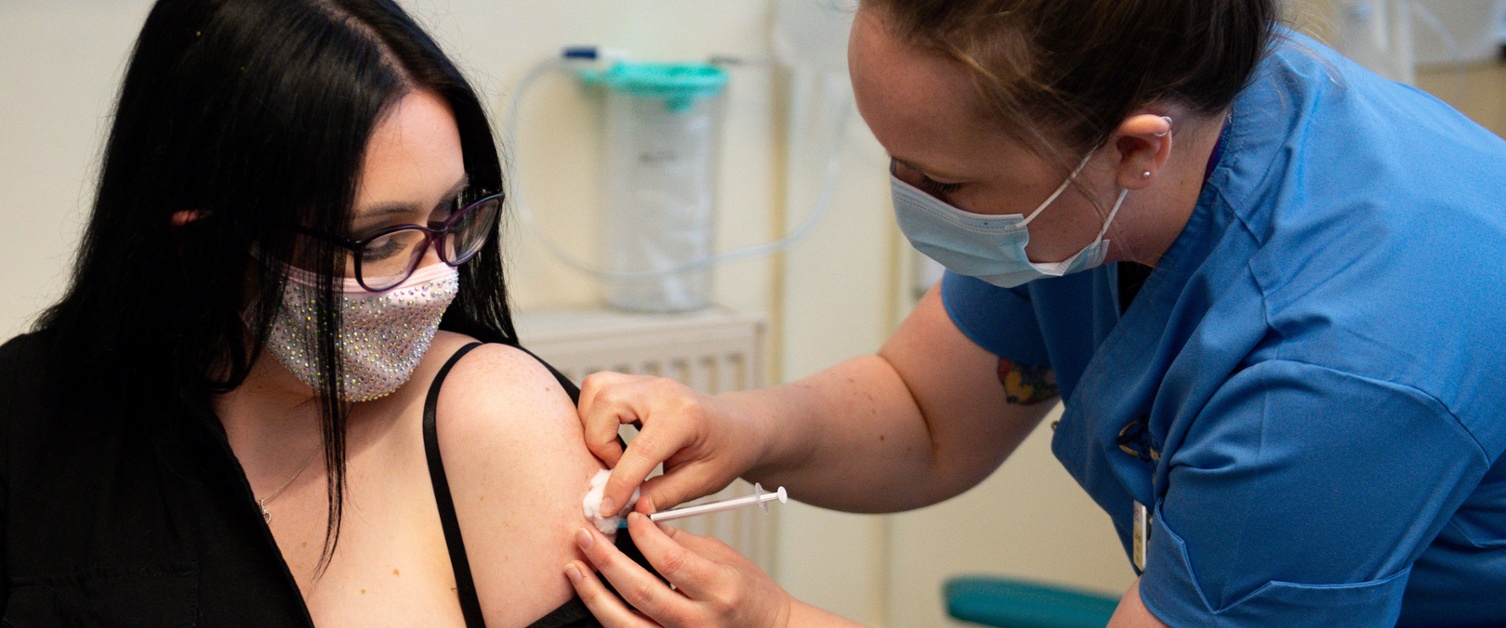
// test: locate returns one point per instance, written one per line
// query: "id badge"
(1143, 521)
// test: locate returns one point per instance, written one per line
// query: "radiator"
(714, 350)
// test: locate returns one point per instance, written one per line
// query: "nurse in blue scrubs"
(1268, 285)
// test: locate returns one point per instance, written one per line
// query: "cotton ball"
(592, 504)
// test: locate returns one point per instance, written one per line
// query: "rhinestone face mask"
(382, 336)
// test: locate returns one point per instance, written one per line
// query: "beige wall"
(1477, 88)
(835, 295)
(59, 65)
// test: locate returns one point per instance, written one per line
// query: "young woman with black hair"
(251, 406)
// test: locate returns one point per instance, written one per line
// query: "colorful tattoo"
(1026, 384)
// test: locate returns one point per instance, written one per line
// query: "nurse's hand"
(713, 584)
(705, 442)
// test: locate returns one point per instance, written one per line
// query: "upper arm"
(957, 386)
(1304, 492)
(518, 469)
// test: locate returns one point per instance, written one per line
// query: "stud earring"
(1145, 175)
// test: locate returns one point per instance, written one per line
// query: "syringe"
(758, 497)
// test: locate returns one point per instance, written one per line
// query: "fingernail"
(608, 507)
(633, 518)
(573, 573)
(583, 539)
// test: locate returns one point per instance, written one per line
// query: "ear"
(1144, 141)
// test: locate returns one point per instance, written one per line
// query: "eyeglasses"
(388, 257)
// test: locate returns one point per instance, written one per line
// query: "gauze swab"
(758, 497)
(592, 504)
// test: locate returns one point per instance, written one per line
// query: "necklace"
(266, 515)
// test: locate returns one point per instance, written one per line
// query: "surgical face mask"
(382, 337)
(989, 247)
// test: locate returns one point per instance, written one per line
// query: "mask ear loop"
(1058, 192)
(1113, 212)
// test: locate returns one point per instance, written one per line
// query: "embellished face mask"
(382, 337)
(989, 247)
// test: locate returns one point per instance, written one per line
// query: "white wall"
(60, 62)
(1030, 520)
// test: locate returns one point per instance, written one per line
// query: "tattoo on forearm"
(1026, 384)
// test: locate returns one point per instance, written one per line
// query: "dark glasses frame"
(432, 238)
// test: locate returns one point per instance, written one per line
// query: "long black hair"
(254, 116)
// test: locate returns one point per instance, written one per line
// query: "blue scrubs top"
(1318, 364)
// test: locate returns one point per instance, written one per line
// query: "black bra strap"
(465, 587)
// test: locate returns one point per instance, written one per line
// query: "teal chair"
(1012, 603)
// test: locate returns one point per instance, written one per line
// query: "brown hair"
(1072, 70)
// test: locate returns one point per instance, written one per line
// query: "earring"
(1145, 175)
(1168, 124)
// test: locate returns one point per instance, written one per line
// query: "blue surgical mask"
(989, 247)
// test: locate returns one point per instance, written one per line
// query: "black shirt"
(128, 518)
(1131, 277)
(125, 518)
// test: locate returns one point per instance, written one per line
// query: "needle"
(758, 497)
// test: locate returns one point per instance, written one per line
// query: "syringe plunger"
(758, 497)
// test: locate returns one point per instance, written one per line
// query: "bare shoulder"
(500, 396)
(518, 469)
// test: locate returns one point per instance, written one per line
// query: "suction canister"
(661, 139)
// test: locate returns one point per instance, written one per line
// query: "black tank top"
(572, 613)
